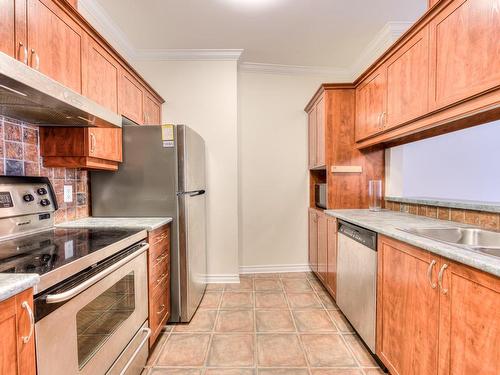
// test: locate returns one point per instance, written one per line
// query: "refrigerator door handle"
(193, 193)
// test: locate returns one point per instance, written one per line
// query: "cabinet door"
(152, 110)
(464, 51)
(408, 81)
(371, 104)
(105, 143)
(313, 240)
(55, 43)
(100, 75)
(130, 98)
(16, 357)
(7, 31)
(331, 266)
(407, 309)
(469, 331)
(320, 133)
(312, 129)
(322, 246)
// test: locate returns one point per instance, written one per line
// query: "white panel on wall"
(462, 165)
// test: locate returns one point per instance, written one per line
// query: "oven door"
(87, 333)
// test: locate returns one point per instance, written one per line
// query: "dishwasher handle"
(359, 234)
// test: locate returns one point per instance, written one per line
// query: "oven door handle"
(147, 332)
(68, 294)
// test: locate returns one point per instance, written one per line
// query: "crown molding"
(337, 74)
(101, 20)
(188, 54)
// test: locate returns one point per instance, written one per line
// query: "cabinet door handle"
(23, 48)
(379, 120)
(429, 274)
(37, 60)
(162, 309)
(92, 143)
(25, 305)
(440, 278)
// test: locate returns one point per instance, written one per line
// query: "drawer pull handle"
(162, 237)
(23, 48)
(429, 274)
(162, 277)
(160, 259)
(162, 309)
(440, 278)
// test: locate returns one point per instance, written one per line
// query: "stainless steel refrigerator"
(163, 174)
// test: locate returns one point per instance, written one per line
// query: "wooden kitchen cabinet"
(371, 104)
(407, 81)
(317, 134)
(313, 239)
(89, 148)
(159, 280)
(130, 98)
(322, 246)
(16, 356)
(331, 266)
(55, 43)
(464, 51)
(407, 308)
(428, 326)
(312, 134)
(469, 321)
(152, 110)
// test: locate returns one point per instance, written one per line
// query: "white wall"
(461, 165)
(203, 95)
(273, 174)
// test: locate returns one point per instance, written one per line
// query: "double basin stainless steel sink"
(480, 240)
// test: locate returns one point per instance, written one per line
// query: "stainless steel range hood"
(28, 95)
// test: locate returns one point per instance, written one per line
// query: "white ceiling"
(319, 33)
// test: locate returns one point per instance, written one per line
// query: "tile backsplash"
(20, 156)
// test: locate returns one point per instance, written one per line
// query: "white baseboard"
(223, 279)
(275, 268)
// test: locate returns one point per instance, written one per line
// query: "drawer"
(159, 274)
(159, 247)
(159, 306)
(159, 235)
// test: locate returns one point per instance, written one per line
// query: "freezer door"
(192, 251)
(191, 156)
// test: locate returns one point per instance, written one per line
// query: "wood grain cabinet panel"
(152, 110)
(469, 329)
(312, 135)
(16, 357)
(105, 143)
(322, 246)
(408, 81)
(465, 51)
(100, 75)
(130, 98)
(371, 99)
(407, 309)
(331, 266)
(313, 240)
(7, 31)
(320, 133)
(55, 43)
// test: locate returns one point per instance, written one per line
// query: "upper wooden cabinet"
(7, 31)
(442, 75)
(17, 346)
(407, 83)
(317, 136)
(55, 43)
(130, 98)
(435, 316)
(371, 104)
(312, 134)
(152, 110)
(465, 51)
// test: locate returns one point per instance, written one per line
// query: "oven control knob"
(41, 191)
(45, 202)
(28, 198)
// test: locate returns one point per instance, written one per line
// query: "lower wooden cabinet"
(17, 357)
(435, 316)
(323, 248)
(159, 280)
(87, 148)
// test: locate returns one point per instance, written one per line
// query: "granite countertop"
(148, 223)
(450, 203)
(387, 223)
(14, 283)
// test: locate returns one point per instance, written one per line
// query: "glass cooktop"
(45, 251)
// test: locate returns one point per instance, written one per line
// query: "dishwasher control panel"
(358, 234)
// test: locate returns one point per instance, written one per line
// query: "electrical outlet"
(68, 193)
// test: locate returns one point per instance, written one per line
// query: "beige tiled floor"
(269, 324)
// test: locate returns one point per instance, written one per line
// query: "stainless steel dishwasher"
(357, 279)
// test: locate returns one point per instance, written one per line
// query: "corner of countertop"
(15, 283)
